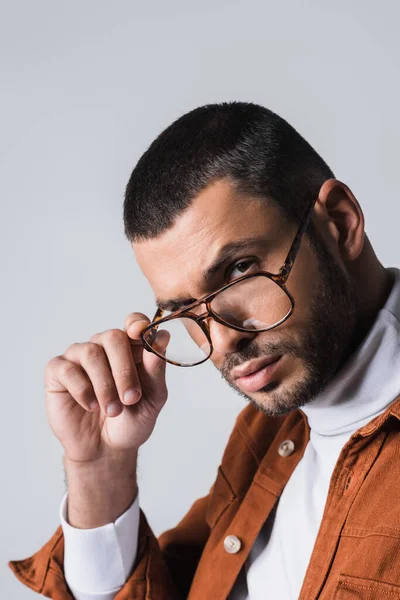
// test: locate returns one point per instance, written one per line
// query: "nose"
(224, 339)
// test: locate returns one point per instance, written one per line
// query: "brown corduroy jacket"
(357, 550)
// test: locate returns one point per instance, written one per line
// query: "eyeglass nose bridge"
(209, 313)
(206, 314)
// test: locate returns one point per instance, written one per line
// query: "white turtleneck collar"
(368, 382)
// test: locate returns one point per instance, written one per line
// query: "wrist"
(99, 491)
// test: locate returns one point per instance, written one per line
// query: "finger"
(63, 376)
(161, 340)
(135, 323)
(119, 354)
(94, 361)
(135, 317)
(152, 370)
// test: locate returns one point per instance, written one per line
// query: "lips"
(253, 366)
(260, 378)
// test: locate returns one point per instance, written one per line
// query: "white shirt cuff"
(98, 561)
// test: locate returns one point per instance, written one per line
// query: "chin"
(270, 403)
(282, 397)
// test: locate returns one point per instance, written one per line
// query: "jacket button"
(286, 448)
(232, 544)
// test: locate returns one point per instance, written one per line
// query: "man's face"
(310, 344)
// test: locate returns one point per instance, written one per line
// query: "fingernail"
(131, 396)
(94, 405)
(114, 409)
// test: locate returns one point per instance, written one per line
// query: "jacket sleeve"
(163, 570)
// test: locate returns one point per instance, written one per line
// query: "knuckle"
(68, 370)
(106, 389)
(50, 369)
(106, 385)
(91, 351)
(73, 347)
(83, 390)
(52, 364)
(126, 373)
(95, 337)
(115, 335)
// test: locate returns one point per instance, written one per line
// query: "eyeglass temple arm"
(284, 272)
(158, 315)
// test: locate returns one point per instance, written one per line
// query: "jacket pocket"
(359, 588)
(222, 495)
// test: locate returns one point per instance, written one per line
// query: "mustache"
(253, 351)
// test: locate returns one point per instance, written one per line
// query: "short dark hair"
(258, 151)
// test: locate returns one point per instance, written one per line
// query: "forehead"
(174, 262)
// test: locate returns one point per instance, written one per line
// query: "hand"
(89, 404)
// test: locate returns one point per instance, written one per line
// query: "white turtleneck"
(98, 561)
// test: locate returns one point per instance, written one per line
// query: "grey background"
(85, 87)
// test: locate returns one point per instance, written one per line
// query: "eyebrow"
(227, 252)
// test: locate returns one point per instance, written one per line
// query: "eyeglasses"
(252, 303)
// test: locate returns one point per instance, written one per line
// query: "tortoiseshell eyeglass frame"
(279, 278)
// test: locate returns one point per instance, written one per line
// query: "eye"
(242, 267)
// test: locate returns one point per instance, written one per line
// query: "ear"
(343, 218)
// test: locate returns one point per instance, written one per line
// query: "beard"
(328, 338)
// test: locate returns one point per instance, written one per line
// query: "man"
(259, 262)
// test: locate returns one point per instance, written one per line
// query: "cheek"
(303, 280)
(303, 285)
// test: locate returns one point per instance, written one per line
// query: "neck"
(369, 380)
(374, 284)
